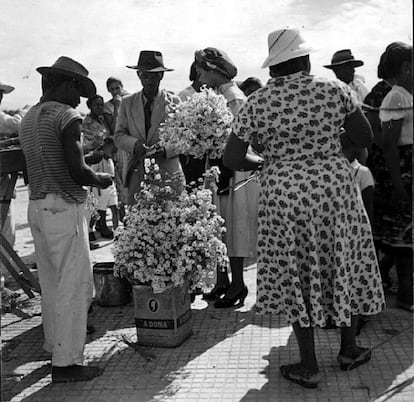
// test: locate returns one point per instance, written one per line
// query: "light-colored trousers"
(60, 234)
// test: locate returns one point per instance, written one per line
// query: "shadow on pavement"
(388, 334)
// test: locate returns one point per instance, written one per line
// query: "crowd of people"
(334, 196)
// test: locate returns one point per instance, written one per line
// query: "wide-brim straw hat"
(150, 61)
(286, 44)
(71, 68)
(5, 88)
(342, 57)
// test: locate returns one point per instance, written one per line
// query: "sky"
(107, 35)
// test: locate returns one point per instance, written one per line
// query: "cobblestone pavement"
(233, 355)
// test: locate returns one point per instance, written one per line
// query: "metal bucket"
(110, 290)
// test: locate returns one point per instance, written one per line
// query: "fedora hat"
(71, 68)
(5, 88)
(286, 44)
(150, 61)
(342, 57)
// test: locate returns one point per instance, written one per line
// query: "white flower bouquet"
(170, 237)
(199, 126)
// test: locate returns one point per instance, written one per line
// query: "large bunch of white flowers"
(170, 237)
(199, 126)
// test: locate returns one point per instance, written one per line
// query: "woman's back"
(299, 117)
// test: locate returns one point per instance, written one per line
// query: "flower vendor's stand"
(170, 244)
(162, 319)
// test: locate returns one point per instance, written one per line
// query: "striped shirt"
(41, 139)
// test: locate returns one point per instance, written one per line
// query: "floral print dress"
(316, 258)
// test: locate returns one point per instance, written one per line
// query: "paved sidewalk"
(233, 355)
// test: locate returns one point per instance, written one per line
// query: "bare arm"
(80, 172)
(357, 130)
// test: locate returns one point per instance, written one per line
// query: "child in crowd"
(108, 197)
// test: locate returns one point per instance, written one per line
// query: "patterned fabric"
(41, 134)
(316, 258)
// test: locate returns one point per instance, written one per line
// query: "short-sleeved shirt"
(363, 175)
(397, 105)
(41, 138)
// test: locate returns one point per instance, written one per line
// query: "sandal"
(294, 373)
(349, 363)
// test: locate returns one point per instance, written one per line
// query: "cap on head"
(216, 59)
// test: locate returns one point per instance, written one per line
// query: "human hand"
(154, 151)
(139, 150)
(117, 99)
(105, 180)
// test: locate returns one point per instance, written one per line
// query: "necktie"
(147, 113)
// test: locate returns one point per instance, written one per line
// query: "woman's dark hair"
(193, 72)
(250, 81)
(392, 59)
(90, 100)
(290, 66)
(111, 80)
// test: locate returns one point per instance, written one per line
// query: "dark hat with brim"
(150, 61)
(71, 68)
(342, 57)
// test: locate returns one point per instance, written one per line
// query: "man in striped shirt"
(50, 136)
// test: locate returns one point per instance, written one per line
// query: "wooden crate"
(163, 319)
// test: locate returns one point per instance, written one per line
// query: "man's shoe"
(75, 373)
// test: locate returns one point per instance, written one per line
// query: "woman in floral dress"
(316, 258)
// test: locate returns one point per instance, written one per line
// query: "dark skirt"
(392, 226)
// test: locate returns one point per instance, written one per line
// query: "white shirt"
(397, 105)
(10, 124)
(363, 175)
(359, 88)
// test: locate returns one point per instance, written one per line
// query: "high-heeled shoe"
(216, 293)
(237, 300)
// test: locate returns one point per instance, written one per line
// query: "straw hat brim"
(88, 89)
(6, 88)
(353, 62)
(273, 60)
(151, 70)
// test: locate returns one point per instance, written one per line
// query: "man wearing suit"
(139, 119)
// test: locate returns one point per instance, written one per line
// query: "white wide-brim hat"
(286, 44)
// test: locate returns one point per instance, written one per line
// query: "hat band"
(274, 42)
